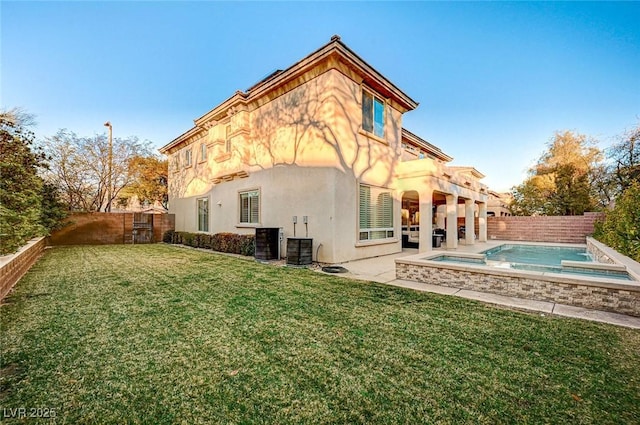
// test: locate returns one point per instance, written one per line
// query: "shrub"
(168, 236)
(620, 228)
(222, 242)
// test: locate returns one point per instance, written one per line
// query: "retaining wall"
(561, 229)
(14, 266)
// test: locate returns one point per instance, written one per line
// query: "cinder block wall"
(162, 223)
(561, 229)
(106, 228)
(13, 267)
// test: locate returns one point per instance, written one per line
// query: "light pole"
(110, 160)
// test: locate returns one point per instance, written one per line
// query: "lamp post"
(110, 161)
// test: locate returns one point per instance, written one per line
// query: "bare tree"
(78, 166)
(625, 156)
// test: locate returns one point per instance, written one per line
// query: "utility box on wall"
(267, 243)
(299, 251)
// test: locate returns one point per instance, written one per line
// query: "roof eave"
(436, 151)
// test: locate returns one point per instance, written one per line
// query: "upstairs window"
(203, 152)
(175, 163)
(187, 158)
(227, 139)
(372, 114)
(376, 213)
(250, 207)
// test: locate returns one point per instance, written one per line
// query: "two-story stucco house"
(322, 140)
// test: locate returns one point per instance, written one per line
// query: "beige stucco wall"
(306, 153)
(327, 196)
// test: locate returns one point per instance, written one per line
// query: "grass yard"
(160, 334)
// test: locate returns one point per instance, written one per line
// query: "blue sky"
(494, 80)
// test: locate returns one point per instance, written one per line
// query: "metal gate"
(142, 228)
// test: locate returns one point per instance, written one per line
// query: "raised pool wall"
(588, 292)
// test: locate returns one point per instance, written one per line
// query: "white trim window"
(250, 207)
(187, 158)
(375, 213)
(203, 214)
(372, 114)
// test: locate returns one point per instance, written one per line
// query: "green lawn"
(161, 334)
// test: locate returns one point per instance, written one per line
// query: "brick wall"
(562, 229)
(162, 224)
(106, 228)
(13, 267)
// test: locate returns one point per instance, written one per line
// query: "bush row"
(221, 242)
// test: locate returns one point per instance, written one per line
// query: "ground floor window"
(376, 213)
(203, 215)
(250, 207)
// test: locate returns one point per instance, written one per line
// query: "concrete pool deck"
(383, 270)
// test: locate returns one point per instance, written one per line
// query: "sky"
(494, 80)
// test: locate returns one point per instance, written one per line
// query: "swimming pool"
(609, 285)
(536, 254)
(538, 258)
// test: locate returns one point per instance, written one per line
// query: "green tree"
(621, 226)
(149, 180)
(20, 201)
(53, 212)
(561, 182)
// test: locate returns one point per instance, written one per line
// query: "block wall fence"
(560, 229)
(101, 228)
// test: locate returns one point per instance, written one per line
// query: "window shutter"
(244, 208)
(255, 207)
(385, 210)
(365, 207)
(376, 213)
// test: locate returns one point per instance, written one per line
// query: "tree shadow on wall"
(318, 120)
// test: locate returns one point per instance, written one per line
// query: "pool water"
(536, 254)
(545, 259)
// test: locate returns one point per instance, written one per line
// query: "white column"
(426, 218)
(452, 221)
(482, 222)
(470, 231)
(440, 216)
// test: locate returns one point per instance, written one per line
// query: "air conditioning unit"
(299, 251)
(267, 243)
